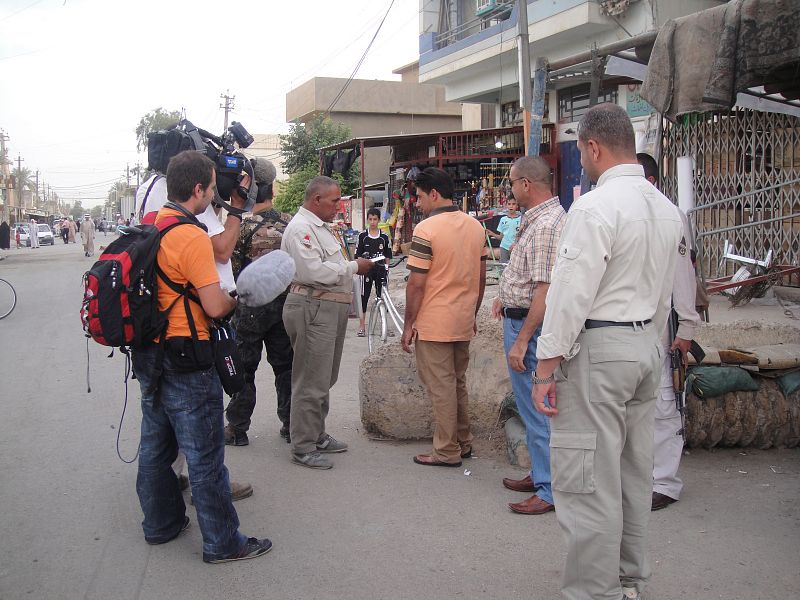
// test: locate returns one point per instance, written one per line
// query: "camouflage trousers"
(257, 327)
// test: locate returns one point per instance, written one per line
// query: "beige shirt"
(616, 260)
(684, 288)
(317, 254)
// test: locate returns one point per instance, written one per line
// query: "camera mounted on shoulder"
(224, 151)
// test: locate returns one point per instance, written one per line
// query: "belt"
(340, 297)
(515, 313)
(592, 324)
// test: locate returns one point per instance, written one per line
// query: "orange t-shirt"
(449, 246)
(185, 256)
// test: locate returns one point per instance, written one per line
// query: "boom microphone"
(265, 278)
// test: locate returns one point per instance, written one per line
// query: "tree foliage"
(300, 152)
(24, 179)
(77, 211)
(153, 121)
(97, 212)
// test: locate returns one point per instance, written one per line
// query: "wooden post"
(537, 114)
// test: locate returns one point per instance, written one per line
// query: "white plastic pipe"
(685, 183)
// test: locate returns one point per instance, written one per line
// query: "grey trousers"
(601, 458)
(316, 329)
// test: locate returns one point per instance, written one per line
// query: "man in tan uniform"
(315, 317)
(668, 438)
(607, 306)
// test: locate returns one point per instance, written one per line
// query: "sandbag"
(709, 382)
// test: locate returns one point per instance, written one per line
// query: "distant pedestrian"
(5, 236)
(33, 232)
(132, 221)
(17, 236)
(65, 230)
(372, 243)
(72, 229)
(87, 236)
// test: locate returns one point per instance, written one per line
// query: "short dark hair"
(185, 170)
(436, 179)
(374, 212)
(317, 184)
(649, 164)
(534, 168)
(609, 125)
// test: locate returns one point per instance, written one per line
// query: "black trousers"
(368, 281)
(257, 327)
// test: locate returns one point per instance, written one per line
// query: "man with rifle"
(678, 341)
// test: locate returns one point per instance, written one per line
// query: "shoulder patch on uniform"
(306, 241)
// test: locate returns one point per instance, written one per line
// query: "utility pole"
(128, 173)
(36, 195)
(138, 172)
(524, 65)
(228, 106)
(4, 173)
(20, 195)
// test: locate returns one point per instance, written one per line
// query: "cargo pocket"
(572, 457)
(565, 263)
(613, 371)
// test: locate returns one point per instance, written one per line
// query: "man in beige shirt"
(606, 309)
(315, 316)
(668, 436)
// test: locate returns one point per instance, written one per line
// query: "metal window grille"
(747, 176)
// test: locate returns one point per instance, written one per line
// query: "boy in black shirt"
(372, 243)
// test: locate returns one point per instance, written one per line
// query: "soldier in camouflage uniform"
(259, 326)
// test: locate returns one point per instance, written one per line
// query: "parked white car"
(45, 235)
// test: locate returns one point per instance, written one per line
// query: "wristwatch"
(542, 380)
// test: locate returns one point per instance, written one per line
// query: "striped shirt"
(534, 254)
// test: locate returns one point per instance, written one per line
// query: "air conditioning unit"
(484, 6)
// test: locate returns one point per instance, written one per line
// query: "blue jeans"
(537, 426)
(185, 412)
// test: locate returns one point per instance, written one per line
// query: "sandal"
(361, 333)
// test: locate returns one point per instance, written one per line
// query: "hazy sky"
(77, 75)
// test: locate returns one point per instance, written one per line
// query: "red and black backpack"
(120, 300)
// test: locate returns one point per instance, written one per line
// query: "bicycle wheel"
(376, 326)
(8, 298)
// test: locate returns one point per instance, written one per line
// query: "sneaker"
(331, 445)
(239, 491)
(183, 528)
(234, 437)
(312, 460)
(629, 593)
(285, 434)
(252, 549)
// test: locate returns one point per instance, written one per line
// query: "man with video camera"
(182, 402)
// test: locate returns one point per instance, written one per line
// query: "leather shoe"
(661, 501)
(532, 506)
(432, 461)
(467, 453)
(520, 485)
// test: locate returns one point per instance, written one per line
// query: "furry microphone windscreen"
(264, 171)
(265, 278)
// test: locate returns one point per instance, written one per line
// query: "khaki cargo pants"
(601, 457)
(316, 329)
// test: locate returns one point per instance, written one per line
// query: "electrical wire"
(361, 60)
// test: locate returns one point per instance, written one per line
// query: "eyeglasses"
(517, 179)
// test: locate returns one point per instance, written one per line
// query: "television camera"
(224, 151)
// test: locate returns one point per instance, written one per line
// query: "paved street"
(376, 526)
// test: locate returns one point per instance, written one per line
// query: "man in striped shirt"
(521, 304)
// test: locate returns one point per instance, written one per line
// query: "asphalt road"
(376, 526)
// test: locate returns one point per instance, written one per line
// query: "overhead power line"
(360, 61)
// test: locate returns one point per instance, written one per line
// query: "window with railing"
(479, 15)
(573, 102)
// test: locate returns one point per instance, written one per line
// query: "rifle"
(679, 370)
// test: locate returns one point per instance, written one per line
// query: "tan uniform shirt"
(616, 260)
(317, 254)
(684, 288)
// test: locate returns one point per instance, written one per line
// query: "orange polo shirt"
(448, 246)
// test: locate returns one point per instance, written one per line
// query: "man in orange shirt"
(181, 392)
(447, 261)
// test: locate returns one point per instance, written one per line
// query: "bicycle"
(8, 298)
(382, 315)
